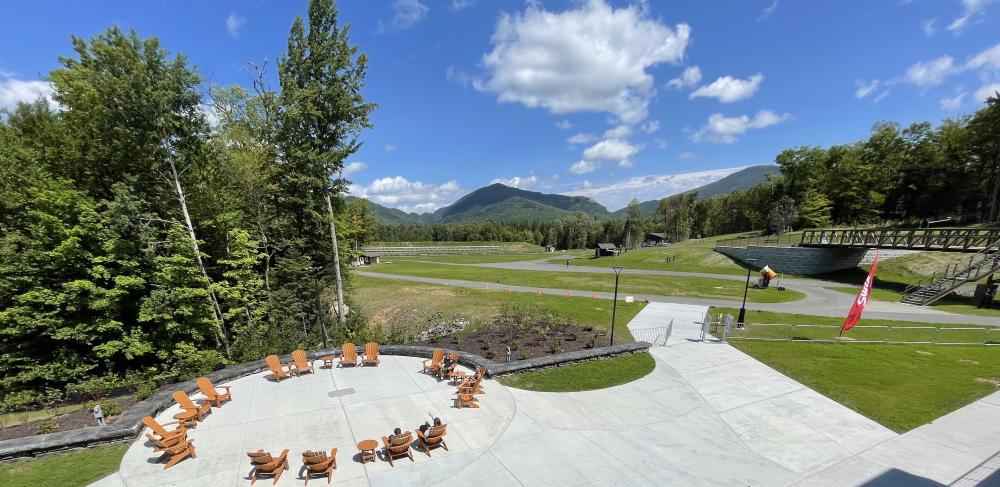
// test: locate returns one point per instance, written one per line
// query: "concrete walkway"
(819, 300)
(707, 415)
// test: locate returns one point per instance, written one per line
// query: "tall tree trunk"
(220, 322)
(341, 317)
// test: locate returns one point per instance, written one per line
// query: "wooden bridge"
(970, 240)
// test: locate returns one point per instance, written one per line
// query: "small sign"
(629, 299)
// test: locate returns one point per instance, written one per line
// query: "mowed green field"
(504, 246)
(900, 386)
(951, 304)
(385, 300)
(585, 376)
(687, 256)
(635, 284)
(73, 469)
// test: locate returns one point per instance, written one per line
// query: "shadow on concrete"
(899, 478)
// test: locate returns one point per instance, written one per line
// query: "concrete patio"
(707, 415)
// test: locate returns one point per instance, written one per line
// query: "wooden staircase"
(981, 264)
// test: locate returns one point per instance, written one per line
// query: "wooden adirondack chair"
(201, 409)
(302, 363)
(433, 366)
(348, 354)
(162, 432)
(317, 463)
(278, 371)
(400, 446)
(449, 373)
(266, 465)
(473, 385)
(433, 437)
(177, 453)
(164, 444)
(371, 354)
(211, 393)
(466, 400)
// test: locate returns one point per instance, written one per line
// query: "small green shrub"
(525, 355)
(590, 343)
(46, 426)
(489, 353)
(515, 346)
(144, 389)
(555, 344)
(95, 388)
(110, 408)
(457, 340)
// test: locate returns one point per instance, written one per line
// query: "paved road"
(819, 301)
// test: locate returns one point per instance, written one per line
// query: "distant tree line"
(897, 176)
(139, 238)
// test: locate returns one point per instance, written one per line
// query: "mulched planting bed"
(82, 418)
(525, 341)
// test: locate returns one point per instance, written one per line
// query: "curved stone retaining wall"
(129, 424)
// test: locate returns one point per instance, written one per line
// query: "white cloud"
(989, 58)
(389, 148)
(354, 168)
(612, 150)
(458, 76)
(972, 8)
(661, 143)
(210, 113)
(234, 23)
(618, 132)
(405, 13)
(723, 130)
(928, 27)
(592, 58)
(457, 5)
(768, 11)
(651, 126)
(519, 182)
(954, 102)
(688, 79)
(582, 139)
(865, 89)
(618, 194)
(564, 125)
(14, 91)
(930, 73)
(688, 156)
(728, 89)
(987, 91)
(399, 192)
(584, 166)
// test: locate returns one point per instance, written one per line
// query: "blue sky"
(609, 99)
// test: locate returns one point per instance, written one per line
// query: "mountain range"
(504, 203)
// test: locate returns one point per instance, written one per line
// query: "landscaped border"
(129, 424)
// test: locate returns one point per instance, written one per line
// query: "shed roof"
(606, 246)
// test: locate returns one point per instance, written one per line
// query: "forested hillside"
(897, 176)
(137, 239)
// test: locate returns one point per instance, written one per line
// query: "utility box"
(983, 297)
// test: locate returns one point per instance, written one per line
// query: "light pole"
(743, 309)
(614, 307)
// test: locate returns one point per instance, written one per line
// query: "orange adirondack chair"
(433, 437)
(278, 371)
(400, 446)
(201, 409)
(264, 464)
(302, 363)
(473, 385)
(371, 354)
(317, 463)
(177, 453)
(433, 366)
(466, 400)
(164, 444)
(449, 373)
(211, 393)
(348, 355)
(162, 432)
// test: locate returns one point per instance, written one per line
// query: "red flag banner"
(859, 303)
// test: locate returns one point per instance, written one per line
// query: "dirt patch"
(925, 353)
(492, 343)
(82, 418)
(987, 380)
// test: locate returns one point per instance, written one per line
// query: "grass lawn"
(635, 284)
(71, 469)
(900, 386)
(951, 304)
(689, 256)
(584, 376)
(383, 300)
(469, 258)
(504, 246)
(14, 419)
